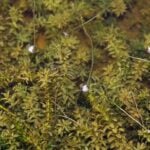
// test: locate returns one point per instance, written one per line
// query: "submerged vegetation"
(49, 49)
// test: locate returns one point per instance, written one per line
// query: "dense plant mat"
(49, 49)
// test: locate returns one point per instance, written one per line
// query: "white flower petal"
(31, 48)
(85, 88)
(148, 50)
(65, 33)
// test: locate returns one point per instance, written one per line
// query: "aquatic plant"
(73, 75)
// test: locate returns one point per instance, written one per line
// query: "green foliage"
(40, 92)
(118, 7)
(147, 40)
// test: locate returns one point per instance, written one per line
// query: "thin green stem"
(141, 59)
(34, 23)
(92, 51)
(86, 22)
(130, 116)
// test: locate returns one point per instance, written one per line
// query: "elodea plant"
(74, 75)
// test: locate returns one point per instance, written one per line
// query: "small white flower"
(148, 131)
(31, 48)
(65, 34)
(85, 88)
(148, 50)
